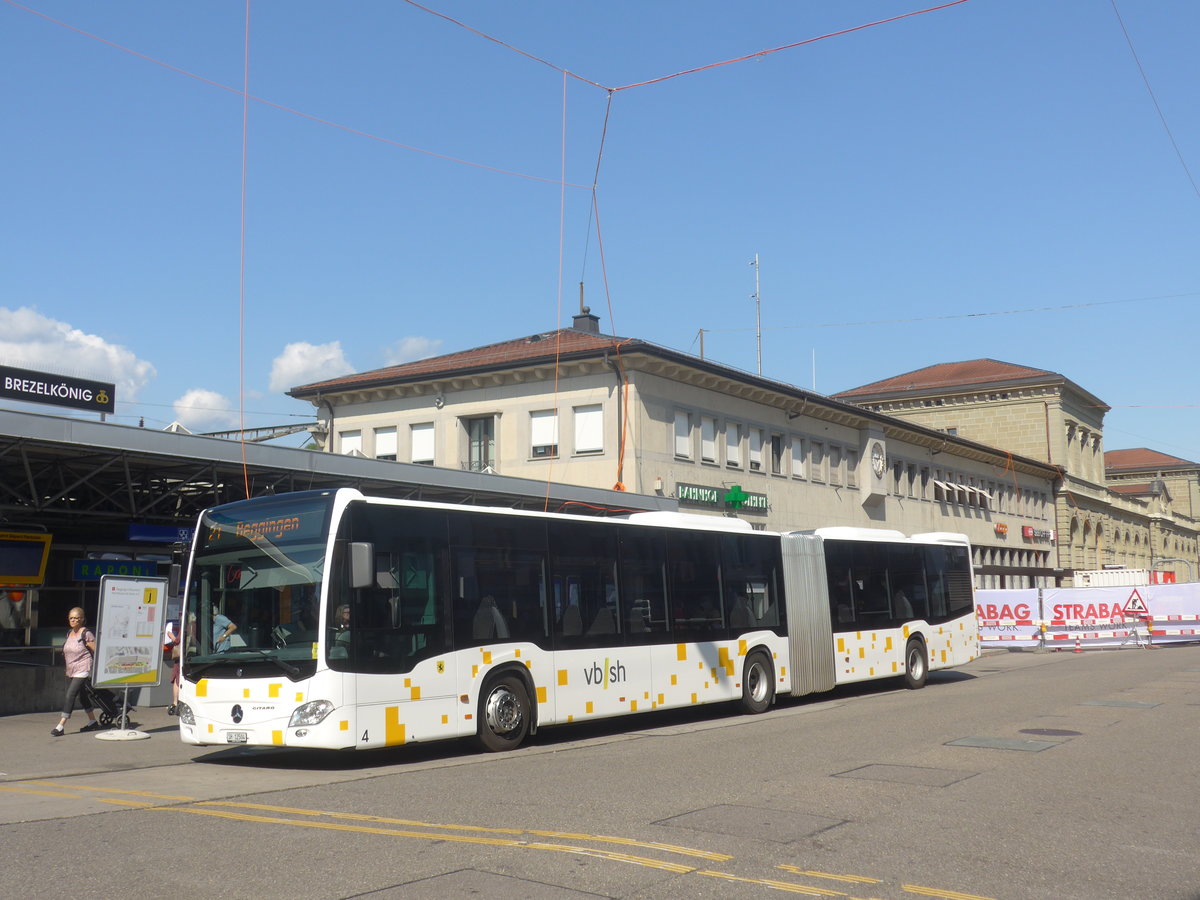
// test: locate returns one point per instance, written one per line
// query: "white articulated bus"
(328, 619)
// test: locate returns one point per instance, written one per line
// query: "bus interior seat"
(489, 621)
(742, 614)
(604, 623)
(572, 621)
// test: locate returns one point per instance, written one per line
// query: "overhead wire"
(1154, 99)
(349, 129)
(595, 212)
(971, 315)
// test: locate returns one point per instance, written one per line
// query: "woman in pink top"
(78, 650)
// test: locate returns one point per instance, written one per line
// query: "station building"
(1131, 508)
(578, 406)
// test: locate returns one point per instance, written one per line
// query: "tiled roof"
(1141, 487)
(1143, 458)
(948, 375)
(534, 348)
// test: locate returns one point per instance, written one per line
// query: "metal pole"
(757, 313)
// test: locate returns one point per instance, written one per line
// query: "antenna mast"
(757, 313)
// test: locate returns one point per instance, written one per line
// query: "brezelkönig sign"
(57, 390)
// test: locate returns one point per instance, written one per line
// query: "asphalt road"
(1022, 775)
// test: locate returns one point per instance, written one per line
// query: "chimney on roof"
(585, 321)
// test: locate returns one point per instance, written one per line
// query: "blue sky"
(935, 177)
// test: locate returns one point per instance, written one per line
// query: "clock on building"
(878, 461)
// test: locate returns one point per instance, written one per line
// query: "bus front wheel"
(503, 714)
(916, 664)
(758, 683)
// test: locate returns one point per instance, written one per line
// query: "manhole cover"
(1051, 732)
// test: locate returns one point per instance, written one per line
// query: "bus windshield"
(253, 605)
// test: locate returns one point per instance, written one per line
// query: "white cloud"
(303, 363)
(30, 340)
(201, 410)
(410, 349)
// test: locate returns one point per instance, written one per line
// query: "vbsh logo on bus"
(603, 676)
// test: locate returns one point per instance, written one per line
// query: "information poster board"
(129, 631)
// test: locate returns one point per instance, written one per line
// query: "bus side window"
(696, 602)
(841, 595)
(642, 579)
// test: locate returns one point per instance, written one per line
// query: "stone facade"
(584, 408)
(1047, 417)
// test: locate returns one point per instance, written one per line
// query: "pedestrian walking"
(171, 640)
(79, 650)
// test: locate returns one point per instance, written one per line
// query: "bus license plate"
(236, 737)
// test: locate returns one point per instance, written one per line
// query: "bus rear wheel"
(758, 683)
(916, 664)
(504, 714)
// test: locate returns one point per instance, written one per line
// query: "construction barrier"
(1083, 618)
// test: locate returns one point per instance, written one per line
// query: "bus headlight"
(311, 713)
(185, 714)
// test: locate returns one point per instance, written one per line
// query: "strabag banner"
(1090, 617)
(129, 631)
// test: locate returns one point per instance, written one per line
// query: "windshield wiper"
(286, 666)
(228, 660)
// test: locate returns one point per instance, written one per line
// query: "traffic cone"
(1078, 649)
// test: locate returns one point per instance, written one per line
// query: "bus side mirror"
(362, 564)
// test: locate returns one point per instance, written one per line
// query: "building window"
(912, 480)
(733, 445)
(481, 444)
(799, 469)
(816, 462)
(683, 434)
(708, 439)
(925, 482)
(385, 443)
(852, 468)
(350, 442)
(589, 429)
(422, 443)
(543, 434)
(777, 454)
(756, 449)
(835, 465)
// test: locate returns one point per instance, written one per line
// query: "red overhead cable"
(242, 253)
(661, 78)
(505, 44)
(792, 46)
(562, 212)
(279, 106)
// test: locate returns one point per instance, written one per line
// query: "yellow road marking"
(332, 826)
(858, 879)
(530, 845)
(17, 790)
(84, 787)
(677, 868)
(630, 842)
(383, 820)
(777, 885)
(119, 802)
(935, 892)
(203, 810)
(358, 817)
